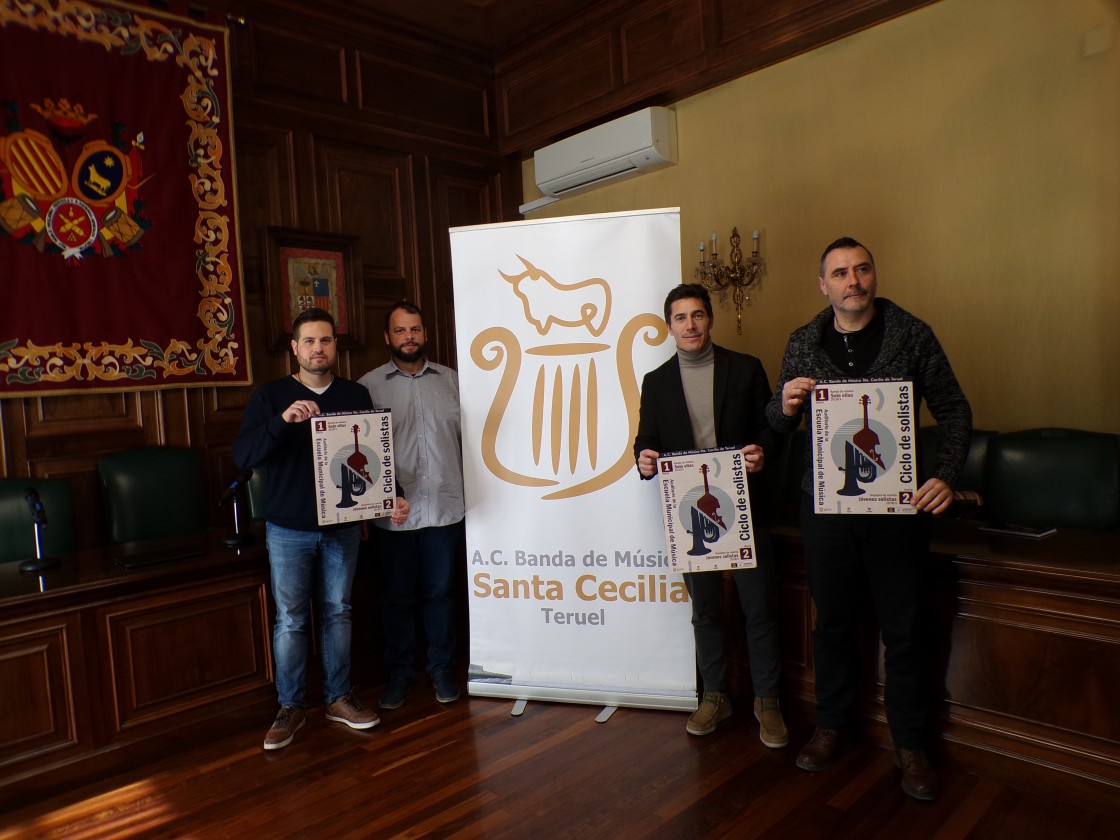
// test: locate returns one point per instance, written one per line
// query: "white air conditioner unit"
(639, 142)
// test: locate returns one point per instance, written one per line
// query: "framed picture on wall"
(307, 269)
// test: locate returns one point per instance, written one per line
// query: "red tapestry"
(118, 230)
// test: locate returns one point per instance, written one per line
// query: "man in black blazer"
(707, 397)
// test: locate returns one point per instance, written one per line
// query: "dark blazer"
(740, 391)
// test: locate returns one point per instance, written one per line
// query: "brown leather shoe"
(346, 709)
(714, 707)
(919, 779)
(290, 721)
(771, 728)
(823, 749)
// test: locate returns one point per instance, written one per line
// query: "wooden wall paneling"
(669, 36)
(510, 188)
(43, 711)
(266, 197)
(555, 88)
(427, 100)
(13, 444)
(459, 196)
(297, 63)
(265, 178)
(368, 193)
(172, 407)
(65, 424)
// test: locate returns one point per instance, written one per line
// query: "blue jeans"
(306, 563)
(418, 568)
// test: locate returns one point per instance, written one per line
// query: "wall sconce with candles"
(736, 277)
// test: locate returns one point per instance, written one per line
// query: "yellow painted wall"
(974, 146)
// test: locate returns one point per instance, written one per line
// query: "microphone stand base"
(238, 540)
(39, 564)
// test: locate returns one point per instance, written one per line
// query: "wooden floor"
(469, 769)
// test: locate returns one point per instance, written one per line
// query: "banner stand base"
(605, 715)
(681, 700)
(519, 709)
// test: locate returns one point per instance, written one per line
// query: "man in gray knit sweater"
(861, 336)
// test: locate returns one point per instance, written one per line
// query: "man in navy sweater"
(306, 558)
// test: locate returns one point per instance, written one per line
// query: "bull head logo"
(547, 302)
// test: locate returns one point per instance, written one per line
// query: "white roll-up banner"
(571, 597)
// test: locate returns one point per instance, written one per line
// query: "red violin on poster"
(61, 198)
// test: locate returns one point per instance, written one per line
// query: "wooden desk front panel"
(102, 667)
(1035, 672)
(171, 652)
(41, 702)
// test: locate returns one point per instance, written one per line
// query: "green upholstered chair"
(17, 532)
(1054, 477)
(973, 473)
(153, 492)
(258, 494)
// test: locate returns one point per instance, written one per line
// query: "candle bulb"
(701, 247)
(713, 241)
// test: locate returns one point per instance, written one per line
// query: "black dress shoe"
(918, 778)
(823, 748)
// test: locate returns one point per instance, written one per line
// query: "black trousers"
(756, 588)
(844, 556)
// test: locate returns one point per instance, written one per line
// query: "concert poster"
(354, 474)
(707, 510)
(864, 450)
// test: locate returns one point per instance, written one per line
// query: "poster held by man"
(707, 508)
(864, 447)
(354, 474)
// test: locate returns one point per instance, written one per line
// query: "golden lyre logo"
(579, 397)
(88, 203)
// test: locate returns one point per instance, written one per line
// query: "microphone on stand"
(231, 491)
(35, 505)
(39, 521)
(238, 539)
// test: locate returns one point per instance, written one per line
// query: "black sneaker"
(395, 692)
(447, 691)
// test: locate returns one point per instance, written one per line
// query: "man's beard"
(409, 355)
(315, 366)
